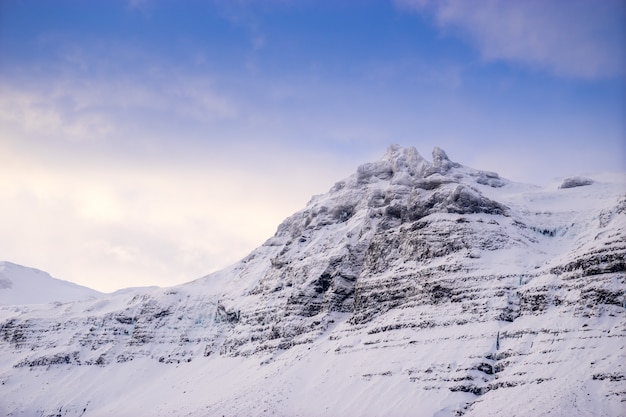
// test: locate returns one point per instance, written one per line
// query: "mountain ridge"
(410, 288)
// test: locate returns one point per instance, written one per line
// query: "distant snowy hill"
(22, 285)
(412, 288)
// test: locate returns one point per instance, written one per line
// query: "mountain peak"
(405, 166)
(441, 162)
(407, 158)
(439, 154)
(400, 188)
(396, 152)
(407, 169)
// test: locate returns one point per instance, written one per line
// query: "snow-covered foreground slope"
(22, 285)
(410, 289)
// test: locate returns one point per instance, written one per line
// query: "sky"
(151, 142)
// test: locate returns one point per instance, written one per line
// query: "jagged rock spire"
(409, 160)
(441, 161)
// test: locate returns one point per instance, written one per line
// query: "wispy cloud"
(578, 38)
(76, 108)
(51, 113)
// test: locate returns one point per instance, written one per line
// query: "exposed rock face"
(575, 182)
(464, 277)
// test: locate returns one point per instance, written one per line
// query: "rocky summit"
(411, 288)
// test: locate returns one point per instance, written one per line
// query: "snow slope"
(412, 288)
(22, 285)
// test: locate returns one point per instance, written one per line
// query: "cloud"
(69, 107)
(38, 113)
(578, 38)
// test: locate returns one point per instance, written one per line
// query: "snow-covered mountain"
(22, 285)
(412, 288)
